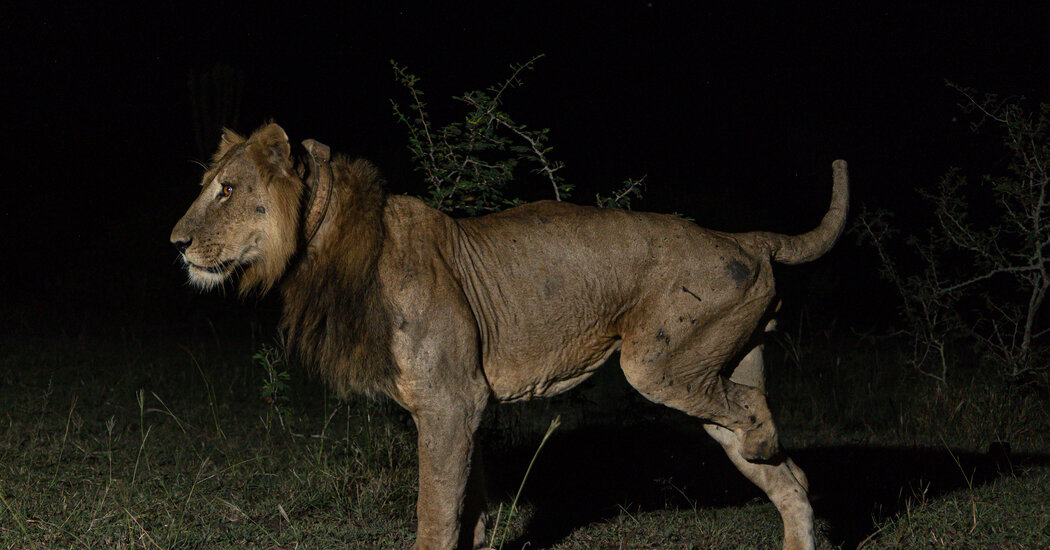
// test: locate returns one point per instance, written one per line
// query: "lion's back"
(550, 282)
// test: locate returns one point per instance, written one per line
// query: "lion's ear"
(229, 139)
(270, 146)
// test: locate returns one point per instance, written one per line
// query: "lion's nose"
(181, 246)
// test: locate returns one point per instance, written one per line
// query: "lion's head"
(246, 217)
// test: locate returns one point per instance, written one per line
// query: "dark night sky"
(734, 114)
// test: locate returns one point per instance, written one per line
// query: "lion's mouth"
(220, 268)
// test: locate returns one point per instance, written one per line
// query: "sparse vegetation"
(98, 462)
(469, 164)
(274, 387)
(982, 274)
(151, 439)
(1010, 512)
(126, 453)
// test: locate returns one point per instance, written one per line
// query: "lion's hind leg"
(688, 377)
(783, 482)
(734, 412)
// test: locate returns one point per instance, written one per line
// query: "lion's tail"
(797, 249)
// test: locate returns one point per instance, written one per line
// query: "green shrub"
(468, 164)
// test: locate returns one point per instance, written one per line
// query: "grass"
(1010, 512)
(145, 439)
(147, 453)
(682, 529)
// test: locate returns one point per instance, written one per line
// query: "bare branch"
(985, 276)
(942, 300)
(546, 167)
(633, 185)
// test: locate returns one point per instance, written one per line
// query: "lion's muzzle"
(181, 246)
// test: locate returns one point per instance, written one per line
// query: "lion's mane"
(335, 318)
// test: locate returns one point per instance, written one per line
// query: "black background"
(733, 114)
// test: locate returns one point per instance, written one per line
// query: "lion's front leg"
(446, 444)
(475, 517)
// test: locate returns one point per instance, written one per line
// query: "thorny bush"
(982, 276)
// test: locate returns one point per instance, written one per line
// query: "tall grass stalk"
(17, 517)
(110, 424)
(969, 484)
(65, 436)
(211, 394)
(514, 503)
(177, 525)
(138, 455)
(238, 509)
(140, 398)
(168, 412)
(145, 533)
(178, 422)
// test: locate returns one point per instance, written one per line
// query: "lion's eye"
(226, 190)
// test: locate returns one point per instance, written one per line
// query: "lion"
(385, 295)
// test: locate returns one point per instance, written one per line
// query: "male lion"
(383, 294)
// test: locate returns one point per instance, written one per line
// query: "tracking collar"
(320, 182)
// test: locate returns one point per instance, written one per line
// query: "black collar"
(320, 182)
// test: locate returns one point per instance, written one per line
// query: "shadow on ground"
(585, 476)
